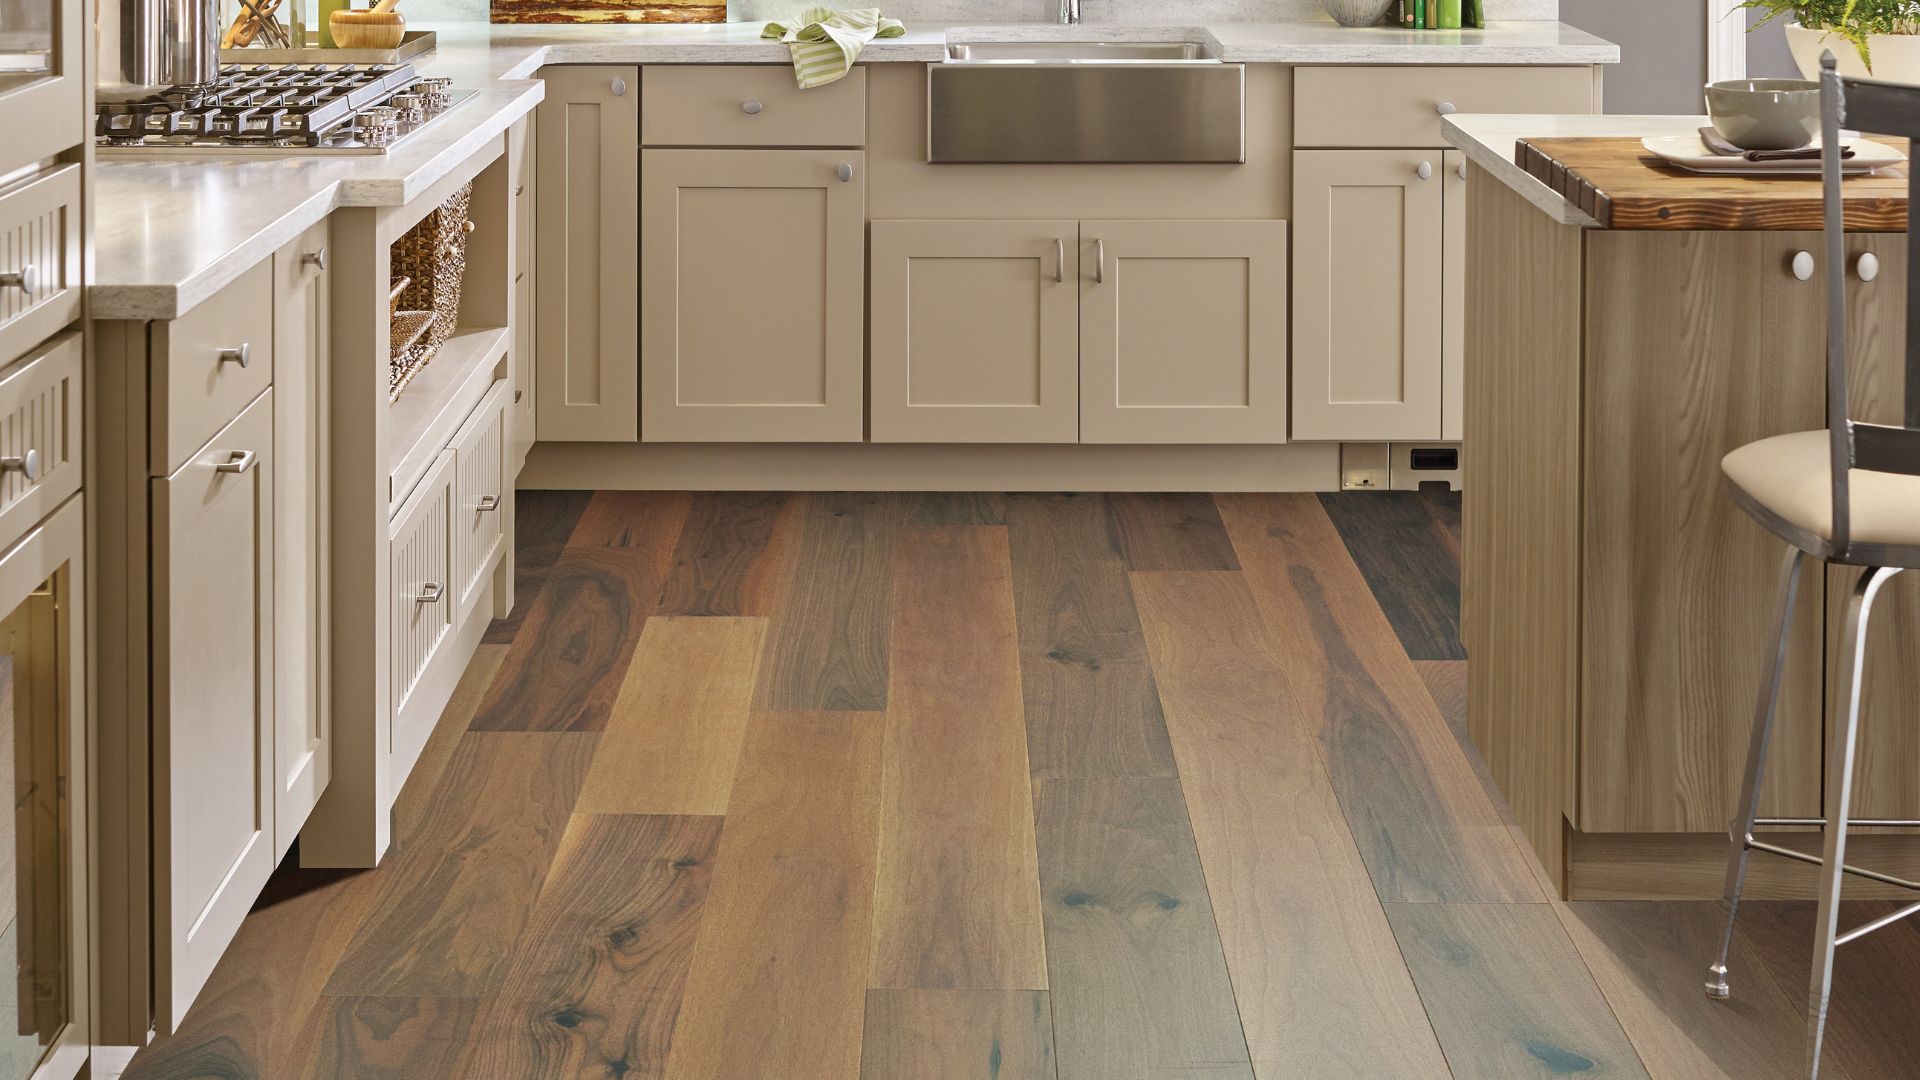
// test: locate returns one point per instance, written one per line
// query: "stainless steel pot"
(147, 46)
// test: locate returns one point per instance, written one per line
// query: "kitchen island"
(1618, 606)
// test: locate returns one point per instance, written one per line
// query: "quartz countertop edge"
(1488, 140)
(171, 230)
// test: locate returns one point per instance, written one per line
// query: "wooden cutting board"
(1618, 183)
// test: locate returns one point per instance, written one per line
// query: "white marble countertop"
(1488, 140)
(171, 230)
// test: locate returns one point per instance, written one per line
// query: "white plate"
(1690, 153)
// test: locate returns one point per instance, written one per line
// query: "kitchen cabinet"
(976, 331)
(1453, 297)
(521, 140)
(587, 324)
(753, 277)
(1368, 296)
(213, 669)
(424, 596)
(1183, 332)
(47, 109)
(483, 498)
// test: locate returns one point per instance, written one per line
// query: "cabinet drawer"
(40, 243)
(480, 495)
(420, 551)
(749, 106)
(1402, 106)
(208, 364)
(40, 435)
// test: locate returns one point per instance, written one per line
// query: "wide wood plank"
(1410, 557)
(829, 647)
(1091, 707)
(410, 806)
(958, 1035)
(717, 567)
(1175, 531)
(957, 903)
(778, 984)
(595, 983)
(672, 742)
(452, 903)
(1508, 994)
(1321, 987)
(1870, 1028)
(572, 652)
(542, 523)
(1139, 988)
(389, 1038)
(1424, 823)
(957, 508)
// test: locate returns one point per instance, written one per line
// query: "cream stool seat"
(1788, 481)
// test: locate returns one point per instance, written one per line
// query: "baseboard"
(1693, 866)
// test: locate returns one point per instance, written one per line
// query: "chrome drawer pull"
(1059, 261)
(1099, 262)
(489, 503)
(242, 355)
(27, 465)
(242, 461)
(429, 593)
(316, 259)
(26, 279)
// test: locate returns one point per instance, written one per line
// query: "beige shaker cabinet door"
(586, 366)
(1367, 297)
(422, 563)
(302, 750)
(1183, 332)
(213, 768)
(976, 332)
(753, 275)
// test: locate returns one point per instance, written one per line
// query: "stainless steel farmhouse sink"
(1085, 103)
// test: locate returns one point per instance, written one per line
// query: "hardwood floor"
(989, 787)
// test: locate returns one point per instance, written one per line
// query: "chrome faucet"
(1069, 12)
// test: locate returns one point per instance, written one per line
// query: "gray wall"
(1767, 55)
(1663, 51)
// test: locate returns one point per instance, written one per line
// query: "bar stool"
(1849, 495)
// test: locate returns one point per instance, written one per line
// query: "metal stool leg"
(1839, 801)
(1749, 806)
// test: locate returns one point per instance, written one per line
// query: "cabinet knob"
(1462, 170)
(1425, 170)
(1445, 108)
(751, 108)
(242, 355)
(1803, 265)
(26, 279)
(619, 87)
(845, 173)
(519, 190)
(316, 259)
(429, 593)
(242, 461)
(27, 465)
(1868, 267)
(488, 504)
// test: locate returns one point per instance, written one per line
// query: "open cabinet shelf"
(433, 405)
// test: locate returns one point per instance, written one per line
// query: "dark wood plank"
(1139, 988)
(1870, 1028)
(1424, 823)
(957, 902)
(829, 647)
(1091, 706)
(1177, 531)
(726, 536)
(595, 983)
(1412, 562)
(390, 1038)
(1316, 972)
(569, 658)
(778, 983)
(957, 508)
(542, 522)
(958, 1035)
(1508, 994)
(452, 903)
(410, 806)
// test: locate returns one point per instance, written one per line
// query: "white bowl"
(1896, 57)
(1357, 12)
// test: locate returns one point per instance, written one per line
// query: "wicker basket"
(433, 255)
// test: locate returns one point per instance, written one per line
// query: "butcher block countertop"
(1592, 171)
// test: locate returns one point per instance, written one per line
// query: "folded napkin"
(1718, 143)
(825, 42)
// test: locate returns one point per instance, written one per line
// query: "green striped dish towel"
(826, 42)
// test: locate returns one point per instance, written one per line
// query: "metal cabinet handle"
(242, 461)
(1802, 265)
(751, 108)
(488, 504)
(1425, 170)
(430, 593)
(315, 259)
(519, 190)
(1462, 170)
(243, 355)
(27, 465)
(619, 87)
(517, 395)
(1868, 266)
(1100, 262)
(845, 173)
(1059, 261)
(26, 279)
(1445, 108)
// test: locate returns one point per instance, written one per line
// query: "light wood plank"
(1508, 994)
(778, 983)
(672, 743)
(958, 1035)
(1140, 991)
(958, 901)
(1320, 983)
(1425, 825)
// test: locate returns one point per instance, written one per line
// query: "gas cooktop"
(280, 109)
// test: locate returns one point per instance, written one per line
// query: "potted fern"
(1876, 38)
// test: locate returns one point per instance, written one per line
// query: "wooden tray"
(1619, 184)
(412, 44)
